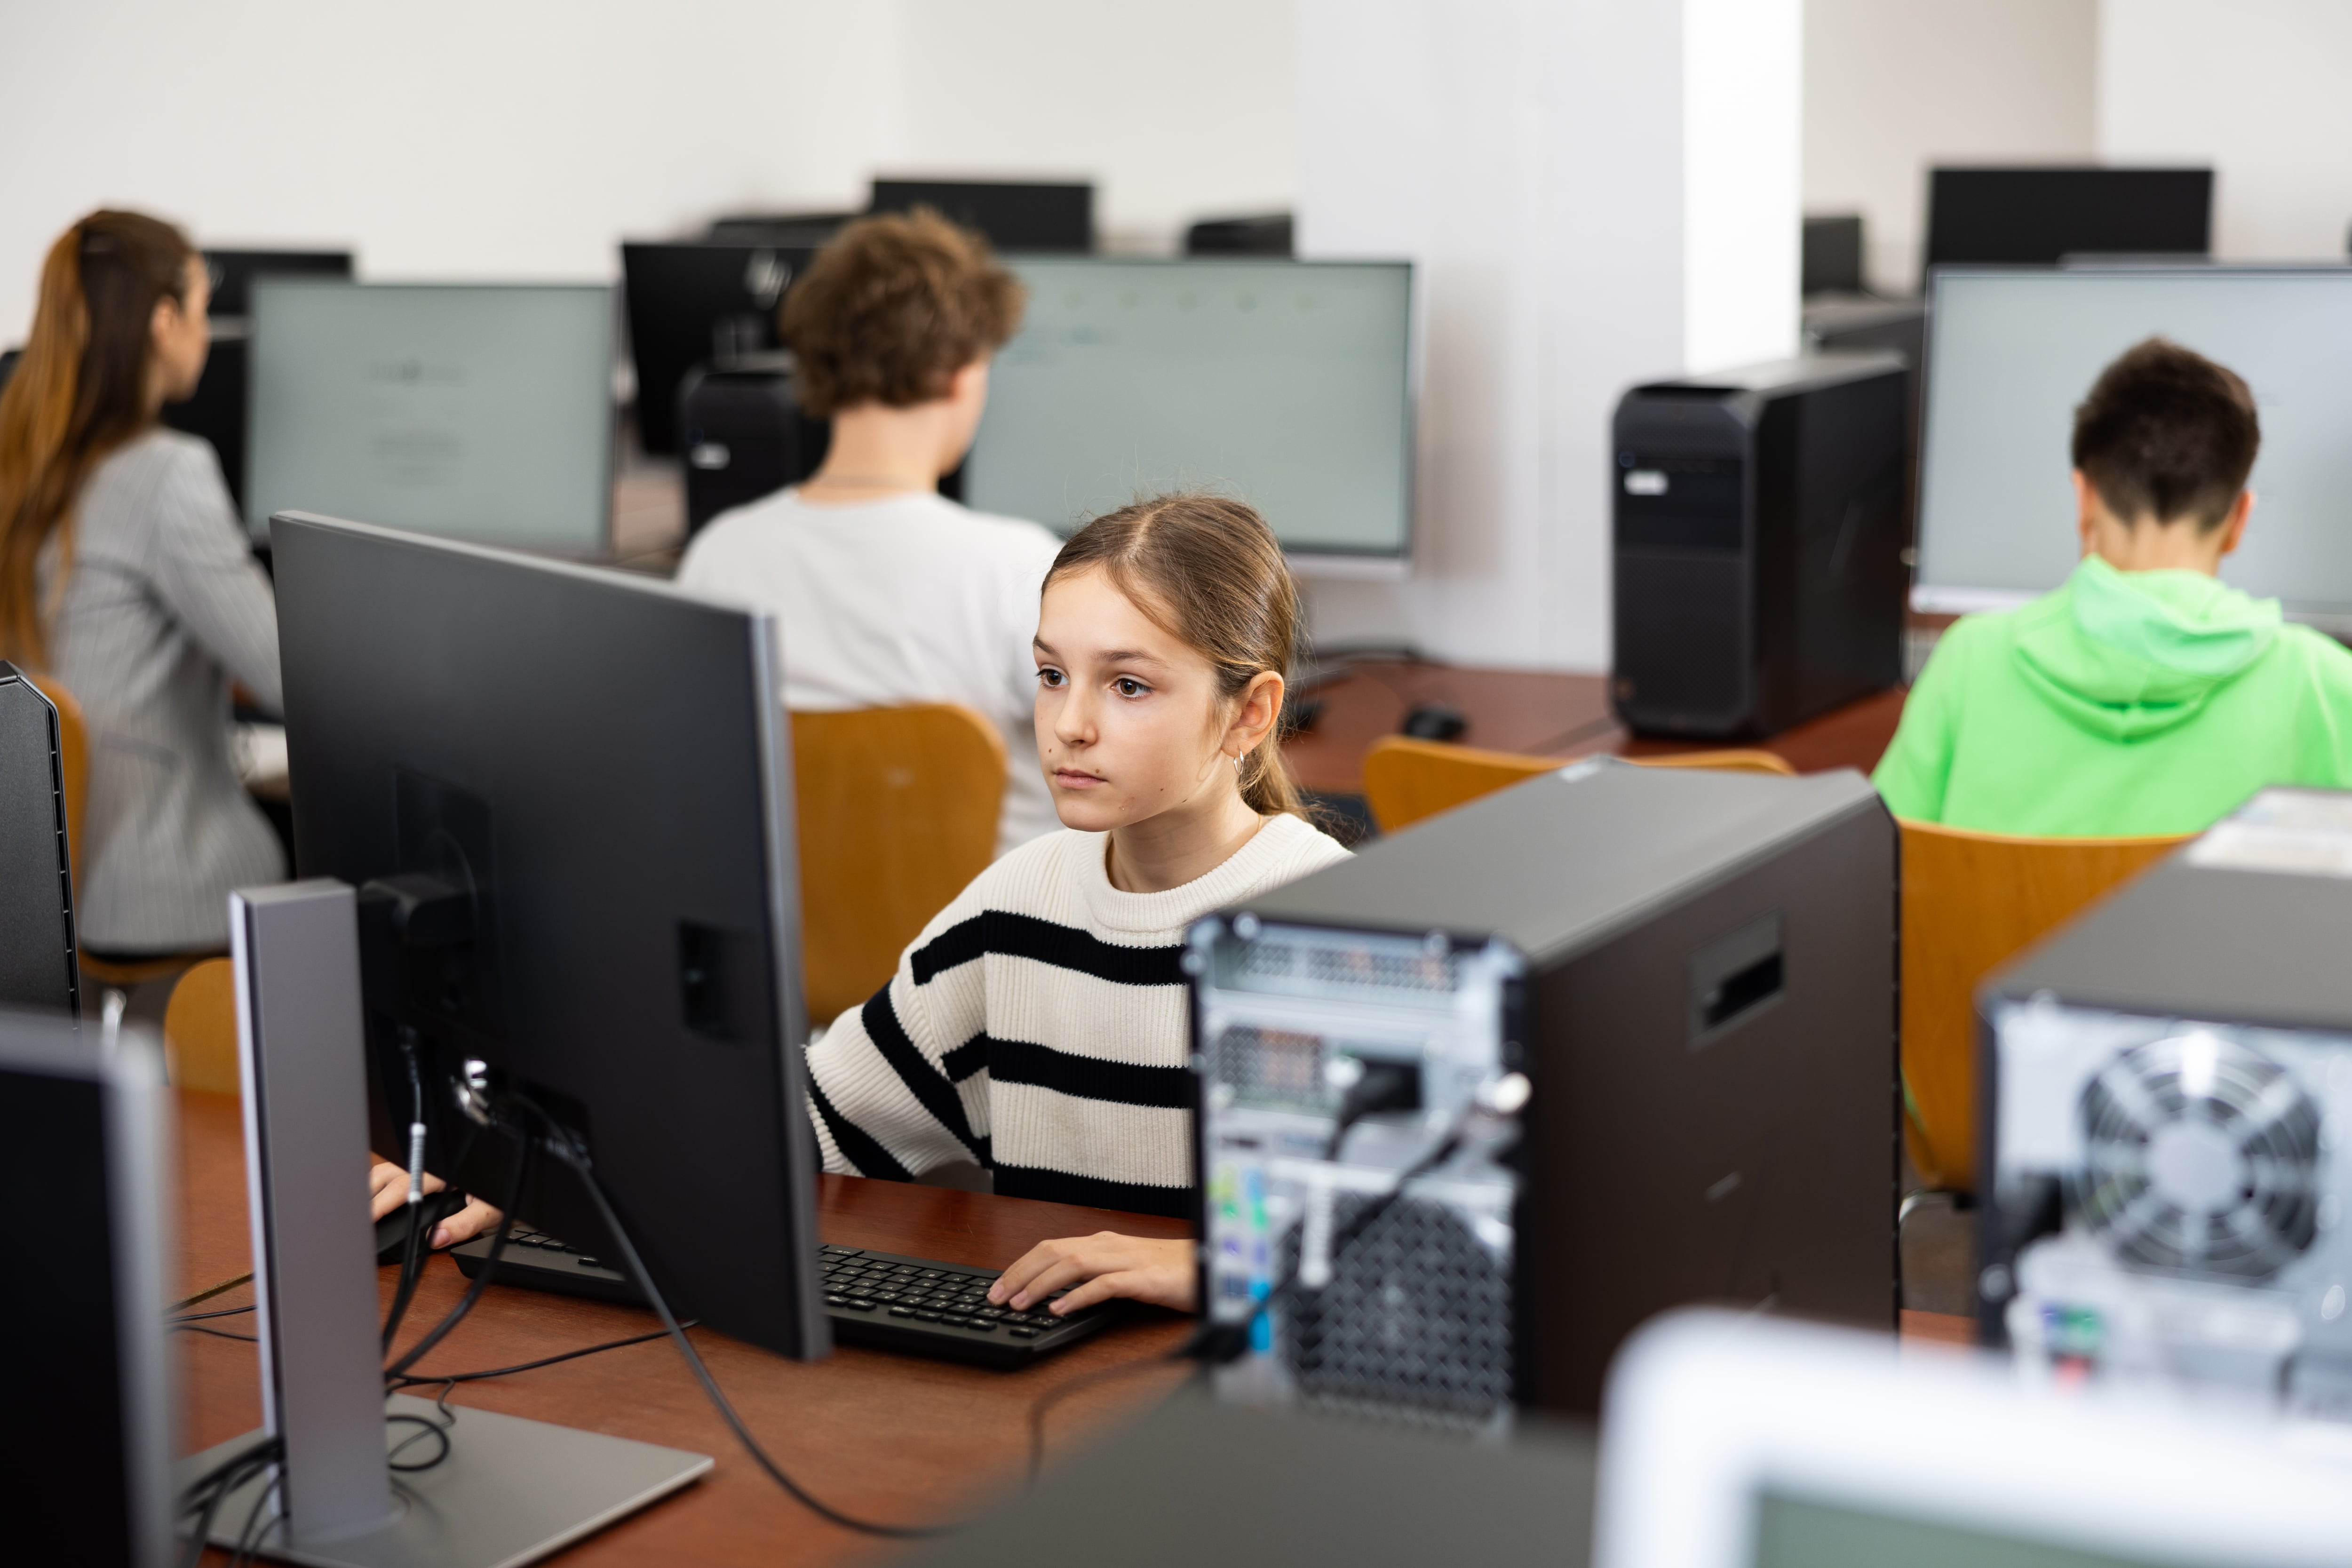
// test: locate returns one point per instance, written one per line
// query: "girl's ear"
(1255, 715)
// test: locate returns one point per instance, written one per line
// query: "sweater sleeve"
(1911, 778)
(205, 572)
(899, 1086)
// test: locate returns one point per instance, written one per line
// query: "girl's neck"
(1181, 845)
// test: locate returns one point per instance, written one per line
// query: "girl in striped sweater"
(1037, 1024)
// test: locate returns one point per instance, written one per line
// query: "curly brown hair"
(893, 308)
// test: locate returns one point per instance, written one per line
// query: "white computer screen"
(1282, 384)
(480, 412)
(2011, 353)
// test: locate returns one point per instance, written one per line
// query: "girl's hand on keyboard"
(1098, 1268)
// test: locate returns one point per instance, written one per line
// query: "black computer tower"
(38, 966)
(1704, 1001)
(743, 434)
(1759, 545)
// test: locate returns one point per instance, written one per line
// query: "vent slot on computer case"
(1359, 1179)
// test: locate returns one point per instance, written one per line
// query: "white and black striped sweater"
(1038, 1027)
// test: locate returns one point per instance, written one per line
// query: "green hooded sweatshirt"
(2124, 703)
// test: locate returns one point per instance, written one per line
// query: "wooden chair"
(897, 813)
(200, 1029)
(1970, 903)
(1406, 780)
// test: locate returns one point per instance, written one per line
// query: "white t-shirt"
(907, 599)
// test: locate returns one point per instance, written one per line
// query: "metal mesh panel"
(1388, 969)
(1415, 1326)
(1279, 1066)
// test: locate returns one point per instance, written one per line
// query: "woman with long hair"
(125, 575)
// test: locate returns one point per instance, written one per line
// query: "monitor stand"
(510, 1491)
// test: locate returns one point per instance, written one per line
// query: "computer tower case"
(2167, 1082)
(1759, 545)
(743, 435)
(1695, 973)
(38, 966)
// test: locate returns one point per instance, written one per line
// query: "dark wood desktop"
(1542, 714)
(890, 1437)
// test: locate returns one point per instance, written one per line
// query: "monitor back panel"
(694, 305)
(1014, 217)
(2011, 353)
(585, 751)
(1282, 384)
(38, 964)
(2038, 216)
(475, 412)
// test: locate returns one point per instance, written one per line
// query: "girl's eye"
(1049, 676)
(1127, 686)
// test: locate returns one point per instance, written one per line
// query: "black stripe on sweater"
(856, 1145)
(923, 1080)
(1089, 1078)
(1093, 1192)
(1063, 947)
(967, 1058)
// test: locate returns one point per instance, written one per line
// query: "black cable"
(412, 1262)
(249, 1540)
(224, 1312)
(456, 1314)
(439, 1429)
(209, 1291)
(576, 1157)
(415, 1380)
(204, 1495)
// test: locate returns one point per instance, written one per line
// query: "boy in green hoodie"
(2145, 696)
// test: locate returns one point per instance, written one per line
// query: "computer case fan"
(2169, 1080)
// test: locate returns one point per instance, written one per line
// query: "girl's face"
(1128, 721)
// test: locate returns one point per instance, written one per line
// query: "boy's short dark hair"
(2167, 432)
(892, 308)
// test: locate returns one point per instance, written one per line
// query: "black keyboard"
(881, 1298)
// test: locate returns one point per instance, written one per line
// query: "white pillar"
(1596, 193)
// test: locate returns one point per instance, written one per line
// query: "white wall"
(2260, 88)
(526, 138)
(1530, 157)
(1892, 86)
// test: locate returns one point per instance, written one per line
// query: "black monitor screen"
(2037, 217)
(1013, 217)
(698, 304)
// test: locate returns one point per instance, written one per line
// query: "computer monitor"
(574, 787)
(481, 411)
(1014, 217)
(1745, 1443)
(2011, 352)
(2040, 216)
(1286, 384)
(216, 410)
(83, 1143)
(695, 304)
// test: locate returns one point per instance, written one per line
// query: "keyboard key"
(953, 1321)
(926, 1315)
(860, 1304)
(902, 1311)
(932, 1273)
(981, 1324)
(840, 1251)
(836, 1300)
(586, 1262)
(1020, 1333)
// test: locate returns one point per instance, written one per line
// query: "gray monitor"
(481, 411)
(1285, 384)
(2011, 352)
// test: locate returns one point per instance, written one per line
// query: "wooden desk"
(1541, 714)
(890, 1437)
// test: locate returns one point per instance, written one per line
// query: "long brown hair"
(79, 391)
(1207, 571)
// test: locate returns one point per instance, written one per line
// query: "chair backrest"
(897, 812)
(1406, 779)
(73, 740)
(200, 1029)
(1970, 901)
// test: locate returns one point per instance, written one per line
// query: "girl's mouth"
(1070, 778)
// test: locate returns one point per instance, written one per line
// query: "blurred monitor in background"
(1269, 235)
(1833, 256)
(2036, 216)
(480, 412)
(216, 409)
(1284, 384)
(1013, 217)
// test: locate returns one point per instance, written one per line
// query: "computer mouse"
(392, 1230)
(1434, 722)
